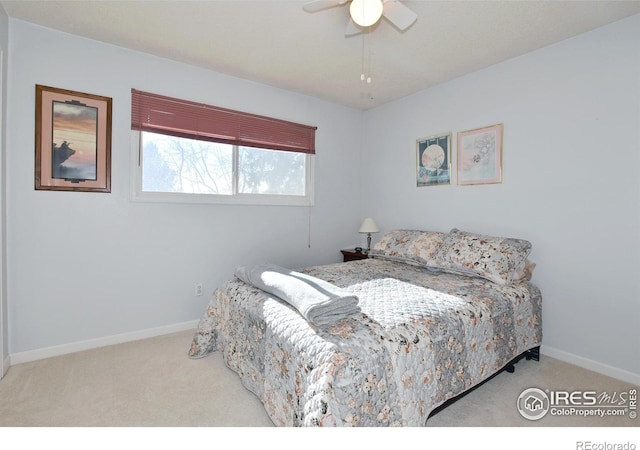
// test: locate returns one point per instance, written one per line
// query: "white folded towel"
(318, 301)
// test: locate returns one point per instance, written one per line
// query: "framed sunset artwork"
(72, 141)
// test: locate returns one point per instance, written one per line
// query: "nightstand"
(352, 255)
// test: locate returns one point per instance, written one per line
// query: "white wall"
(571, 115)
(4, 329)
(83, 266)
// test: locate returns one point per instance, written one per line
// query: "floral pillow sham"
(411, 246)
(498, 259)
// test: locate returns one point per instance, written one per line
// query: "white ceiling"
(277, 43)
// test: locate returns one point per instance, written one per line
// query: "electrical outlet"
(198, 290)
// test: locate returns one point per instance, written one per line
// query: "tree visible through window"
(187, 166)
(275, 172)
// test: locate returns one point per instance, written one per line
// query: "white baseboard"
(589, 364)
(5, 366)
(34, 355)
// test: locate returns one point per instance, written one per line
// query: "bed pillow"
(497, 259)
(411, 246)
(525, 272)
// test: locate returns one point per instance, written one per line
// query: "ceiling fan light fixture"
(366, 12)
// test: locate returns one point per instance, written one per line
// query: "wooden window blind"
(182, 118)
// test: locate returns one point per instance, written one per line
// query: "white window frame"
(236, 198)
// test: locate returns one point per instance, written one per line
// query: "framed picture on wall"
(434, 160)
(73, 141)
(480, 155)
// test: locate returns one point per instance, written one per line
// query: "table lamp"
(368, 226)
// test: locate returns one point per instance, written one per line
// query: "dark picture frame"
(72, 141)
(433, 160)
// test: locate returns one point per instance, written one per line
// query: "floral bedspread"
(422, 338)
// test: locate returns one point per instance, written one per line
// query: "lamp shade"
(366, 12)
(368, 226)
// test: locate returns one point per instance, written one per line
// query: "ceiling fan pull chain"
(369, 54)
(363, 75)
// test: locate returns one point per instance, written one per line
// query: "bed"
(438, 313)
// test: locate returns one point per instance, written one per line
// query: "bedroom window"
(190, 152)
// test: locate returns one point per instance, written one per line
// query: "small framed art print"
(480, 155)
(434, 160)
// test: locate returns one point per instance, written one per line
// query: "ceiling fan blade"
(352, 28)
(319, 5)
(398, 14)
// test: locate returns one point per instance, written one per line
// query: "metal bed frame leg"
(532, 353)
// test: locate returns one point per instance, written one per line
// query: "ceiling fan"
(364, 13)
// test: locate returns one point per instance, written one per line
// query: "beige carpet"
(152, 383)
